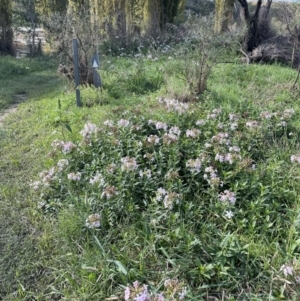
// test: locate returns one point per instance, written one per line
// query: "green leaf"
(120, 266)
(68, 127)
(99, 244)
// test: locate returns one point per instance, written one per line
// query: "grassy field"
(197, 200)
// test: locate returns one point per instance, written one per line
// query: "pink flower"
(200, 122)
(169, 138)
(88, 130)
(127, 293)
(295, 158)
(193, 133)
(108, 123)
(194, 165)
(287, 270)
(62, 163)
(175, 130)
(68, 147)
(252, 124)
(227, 196)
(153, 139)
(128, 164)
(123, 123)
(161, 125)
(74, 176)
(93, 221)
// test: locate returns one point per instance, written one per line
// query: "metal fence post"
(76, 70)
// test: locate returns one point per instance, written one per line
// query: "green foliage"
(133, 78)
(92, 96)
(139, 82)
(24, 76)
(198, 183)
(199, 52)
(214, 209)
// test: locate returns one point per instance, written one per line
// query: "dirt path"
(19, 98)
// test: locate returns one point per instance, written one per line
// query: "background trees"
(112, 18)
(6, 32)
(256, 22)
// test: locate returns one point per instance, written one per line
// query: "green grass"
(24, 77)
(49, 254)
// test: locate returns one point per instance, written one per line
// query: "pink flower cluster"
(169, 138)
(109, 192)
(287, 270)
(267, 115)
(200, 122)
(211, 175)
(108, 123)
(65, 147)
(161, 126)
(173, 290)
(174, 105)
(128, 164)
(229, 157)
(214, 114)
(227, 196)
(47, 176)
(295, 158)
(89, 129)
(193, 133)
(287, 114)
(168, 198)
(97, 178)
(221, 138)
(158, 124)
(123, 123)
(139, 293)
(74, 176)
(194, 165)
(93, 221)
(62, 163)
(110, 168)
(153, 140)
(252, 124)
(172, 136)
(175, 130)
(145, 173)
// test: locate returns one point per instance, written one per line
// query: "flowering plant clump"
(289, 274)
(173, 290)
(93, 221)
(213, 158)
(174, 105)
(193, 182)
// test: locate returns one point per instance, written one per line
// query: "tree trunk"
(152, 17)
(6, 37)
(223, 15)
(253, 36)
